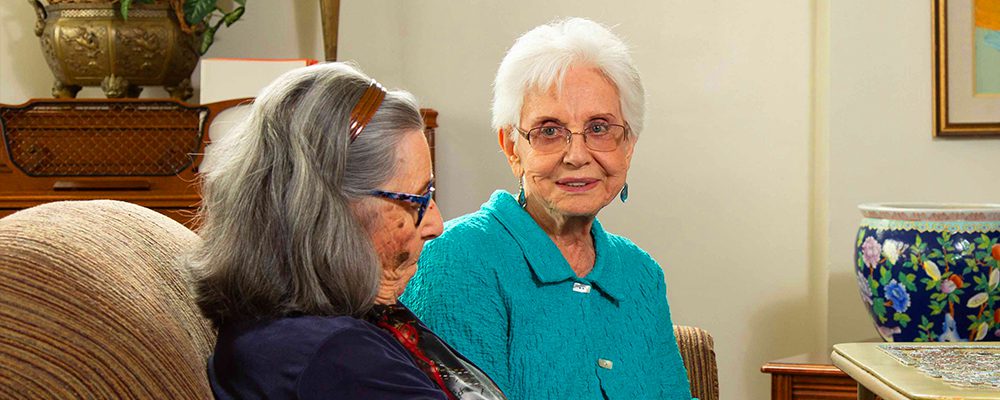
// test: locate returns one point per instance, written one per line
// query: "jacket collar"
(545, 259)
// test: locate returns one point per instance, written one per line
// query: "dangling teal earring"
(520, 195)
(624, 193)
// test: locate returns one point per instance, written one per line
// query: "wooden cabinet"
(143, 151)
(809, 377)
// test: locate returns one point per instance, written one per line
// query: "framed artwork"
(966, 67)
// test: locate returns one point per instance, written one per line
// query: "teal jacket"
(497, 289)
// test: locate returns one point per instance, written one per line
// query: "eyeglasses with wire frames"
(597, 136)
(423, 201)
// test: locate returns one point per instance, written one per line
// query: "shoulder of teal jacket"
(466, 234)
(471, 233)
(633, 255)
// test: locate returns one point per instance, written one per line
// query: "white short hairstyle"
(540, 58)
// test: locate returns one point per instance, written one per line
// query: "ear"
(630, 147)
(506, 141)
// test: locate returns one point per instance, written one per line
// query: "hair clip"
(363, 112)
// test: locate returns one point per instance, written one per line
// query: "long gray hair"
(284, 201)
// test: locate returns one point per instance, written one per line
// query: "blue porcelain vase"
(929, 272)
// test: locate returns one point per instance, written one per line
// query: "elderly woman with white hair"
(315, 212)
(532, 288)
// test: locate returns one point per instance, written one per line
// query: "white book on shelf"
(233, 78)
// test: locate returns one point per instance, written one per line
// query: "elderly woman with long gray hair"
(531, 287)
(315, 212)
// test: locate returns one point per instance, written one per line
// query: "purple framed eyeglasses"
(423, 200)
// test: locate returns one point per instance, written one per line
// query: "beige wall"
(880, 147)
(768, 122)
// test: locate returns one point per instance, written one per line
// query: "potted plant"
(200, 17)
(122, 45)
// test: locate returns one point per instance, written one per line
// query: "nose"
(577, 153)
(432, 225)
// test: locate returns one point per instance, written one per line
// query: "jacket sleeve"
(458, 296)
(362, 364)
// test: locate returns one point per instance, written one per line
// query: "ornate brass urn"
(90, 44)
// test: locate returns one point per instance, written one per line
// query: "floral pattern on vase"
(930, 272)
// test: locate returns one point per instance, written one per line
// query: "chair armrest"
(698, 352)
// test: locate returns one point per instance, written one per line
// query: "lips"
(577, 184)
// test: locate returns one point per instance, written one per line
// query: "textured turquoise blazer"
(498, 290)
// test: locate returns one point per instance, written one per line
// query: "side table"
(879, 373)
(809, 376)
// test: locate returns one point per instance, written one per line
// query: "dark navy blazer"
(311, 357)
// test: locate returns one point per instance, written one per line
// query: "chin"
(579, 210)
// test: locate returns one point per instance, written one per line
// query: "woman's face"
(576, 181)
(398, 241)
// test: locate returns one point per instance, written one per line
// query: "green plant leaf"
(233, 16)
(908, 280)
(936, 307)
(207, 39)
(970, 266)
(925, 324)
(878, 306)
(884, 276)
(195, 11)
(902, 318)
(124, 7)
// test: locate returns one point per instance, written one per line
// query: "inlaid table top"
(922, 370)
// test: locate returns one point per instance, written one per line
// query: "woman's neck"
(571, 234)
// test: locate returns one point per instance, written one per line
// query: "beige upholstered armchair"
(698, 352)
(94, 305)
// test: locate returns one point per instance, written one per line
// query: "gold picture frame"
(960, 110)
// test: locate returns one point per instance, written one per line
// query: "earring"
(520, 195)
(624, 194)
